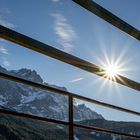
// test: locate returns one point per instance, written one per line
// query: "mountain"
(81, 109)
(26, 99)
(22, 98)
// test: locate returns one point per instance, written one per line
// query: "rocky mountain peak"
(3, 69)
(27, 74)
(81, 109)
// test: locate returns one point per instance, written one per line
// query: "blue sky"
(68, 27)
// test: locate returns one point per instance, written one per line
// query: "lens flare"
(111, 71)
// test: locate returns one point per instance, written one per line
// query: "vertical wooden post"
(71, 129)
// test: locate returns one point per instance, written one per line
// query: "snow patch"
(76, 138)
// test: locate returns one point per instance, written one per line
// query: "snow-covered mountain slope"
(30, 100)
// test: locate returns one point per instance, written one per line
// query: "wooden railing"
(48, 50)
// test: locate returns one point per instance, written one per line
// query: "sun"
(111, 71)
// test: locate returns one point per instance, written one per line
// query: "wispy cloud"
(75, 80)
(55, 0)
(5, 15)
(6, 23)
(64, 31)
(3, 50)
(6, 63)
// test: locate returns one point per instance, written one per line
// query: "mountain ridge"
(27, 99)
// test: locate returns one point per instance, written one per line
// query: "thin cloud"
(75, 80)
(64, 31)
(6, 23)
(6, 63)
(3, 50)
(55, 0)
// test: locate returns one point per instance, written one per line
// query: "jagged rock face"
(79, 113)
(3, 69)
(28, 75)
(30, 100)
